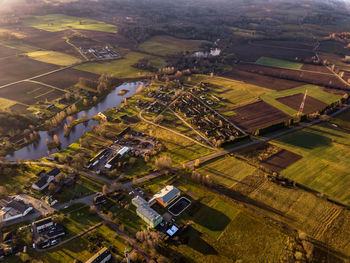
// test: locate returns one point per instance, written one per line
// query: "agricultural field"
(233, 92)
(279, 63)
(324, 166)
(30, 93)
(14, 69)
(261, 80)
(121, 68)
(67, 78)
(257, 115)
(6, 51)
(221, 231)
(166, 45)
(59, 22)
(288, 100)
(52, 57)
(226, 170)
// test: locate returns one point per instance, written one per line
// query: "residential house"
(13, 208)
(46, 179)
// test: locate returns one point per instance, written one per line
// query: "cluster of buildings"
(13, 208)
(103, 53)
(46, 233)
(164, 197)
(205, 119)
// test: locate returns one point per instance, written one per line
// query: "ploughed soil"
(285, 44)
(6, 52)
(316, 78)
(311, 104)
(261, 80)
(316, 68)
(66, 78)
(251, 53)
(29, 93)
(257, 115)
(19, 108)
(281, 160)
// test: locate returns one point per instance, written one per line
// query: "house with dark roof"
(101, 256)
(46, 179)
(165, 196)
(12, 208)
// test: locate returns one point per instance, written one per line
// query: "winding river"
(39, 149)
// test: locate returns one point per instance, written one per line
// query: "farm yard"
(59, 22)
(166, 45)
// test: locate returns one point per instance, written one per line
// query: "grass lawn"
(312, 91)
(325, 163)
(280, 63)
(83, 187)
(53, 57)
(233, 92)
(59, 22)
(121, 68)
(166, 45)
(4, 103)
(226, 170)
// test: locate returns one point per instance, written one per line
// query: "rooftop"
(149, 213)
(167, 193)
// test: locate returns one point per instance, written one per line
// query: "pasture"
(53, 57)
(324, 166)
(280, 63)
(120, 68)
(313, 91)
(166, 45)
(59, 22)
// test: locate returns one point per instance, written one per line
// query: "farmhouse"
(151, 217)
(46, 179)
(101, 256)
(12, 208)
(165, 196)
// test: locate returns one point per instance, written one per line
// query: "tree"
(3, 192)
(51, 187)
(164, 162)
(105, 189)
(196, 163)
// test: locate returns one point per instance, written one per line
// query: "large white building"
(13, 208)
(166, 196)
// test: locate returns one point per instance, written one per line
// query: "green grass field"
(121, 68)
(234, 92)
(59, 22)
(325, 163)
(312, 91)
(221, 231)
(226, 171)
(280, 63)
(166, 45)
(53, 57)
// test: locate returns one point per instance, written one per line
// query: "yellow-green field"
(280, 63)
(59, 22)
(312, 91)
(166, 45)
(4, 103)
(53, 57)
(19, 46)
(325, 163)
(121, 68)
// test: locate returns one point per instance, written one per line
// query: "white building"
(12, 208)
(165, 196)
(46, 179)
